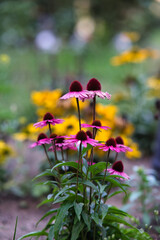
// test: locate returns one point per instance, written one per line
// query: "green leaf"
(43, 174)
(114, 219)
(69, 164)
(78, 209)
(47, 214)
(86, 149)
(86, 219)
(63, 211)
(97, 168)
(51, 233)
(77, 228)
(33, 234)
(15, 229)
(96, 218)
(115, 182)
(66, 188)
(114, 210)
(114, 193)
(45, 202)
(104, 209)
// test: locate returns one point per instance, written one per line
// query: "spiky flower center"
(118, 166)
(81, 135)
(60, 140)
(119, 140)
(48, 116)
(96, 123)
(41, 136)
(89, 134)
(93, 85)
(53, 135)
(111, 142)
(75, 87)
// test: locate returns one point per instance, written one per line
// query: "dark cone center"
(119, 140)
(60, 140)
(75, 87)
(81, 135)
(53, 135)
(41, 136)
(89, 134)
(111, 142)
(96, 123)
(93, 85)
(118, 166)
(48, 116)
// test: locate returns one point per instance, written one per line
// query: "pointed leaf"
(69, 164)
(97, 168)
(51, 233)
(78, 209)
(87, 220)
(77, 228)
(33, 234)
(63, 211)
(47, 214)
(86, 149)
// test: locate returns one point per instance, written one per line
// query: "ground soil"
(26, 208)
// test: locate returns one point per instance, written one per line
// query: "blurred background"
(45, 45)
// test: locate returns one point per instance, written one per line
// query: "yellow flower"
(154, 82)
(20, 136)
(70, 126)
(4, 58)
(117, 97)
(134, 55)
(133, 36)
(134, 146)
(5, 151)
(108, 112)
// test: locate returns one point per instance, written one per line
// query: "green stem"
(94, 108)
(50, 130)
(106, 165)
(49, 161)
(79, 161)
(79, 115)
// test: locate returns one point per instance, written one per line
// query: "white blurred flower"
(122, 42)
(48, 42)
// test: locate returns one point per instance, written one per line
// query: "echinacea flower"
(110, 144)
(41, 140)
(48, 119)
(94, 89)
(61, 143)
(82, 138)
(95, 124)
(76, 90)
(118, 169)
(120, 144)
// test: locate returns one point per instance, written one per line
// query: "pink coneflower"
(48, 119)
(41, 140)
(61, 143)
(117, 169)
(95, 124)
(76, 90)
(110, 144)
(121, 145)
(82, 138)
(94, 88)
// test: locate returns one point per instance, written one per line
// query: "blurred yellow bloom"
(133, 36)
(70, 126)
(4, 58)
(134, 146)
(117, 97)
(5, 151)
(154, 82)
(20, 136)
(134, 55)
(46, 98)
(106, 111)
